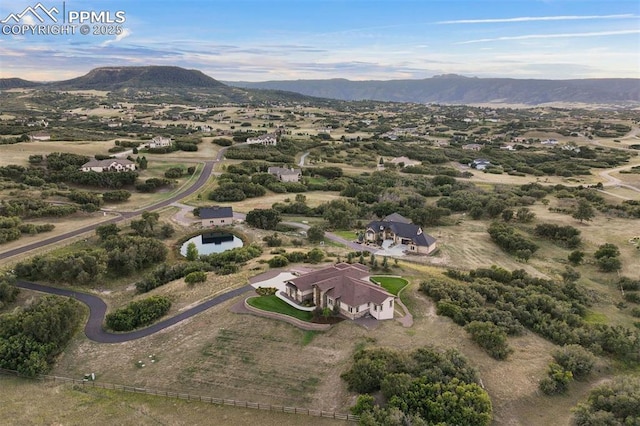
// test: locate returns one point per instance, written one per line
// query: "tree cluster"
(511, 241)
(514, 299)
(566, 236)
(608, 257)
(8, 291)
(31, 338)
(614, 403)
(425, 386)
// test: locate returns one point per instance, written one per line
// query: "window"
(391, 303)
(358, 309)
(222, 221)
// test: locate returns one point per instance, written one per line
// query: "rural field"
(75, 404)
(222, 354)
(348, 180)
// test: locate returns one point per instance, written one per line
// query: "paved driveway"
(277, 281)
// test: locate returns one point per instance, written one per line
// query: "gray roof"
(283, 171)
(396, 217)
(403, 230)
(216, 212)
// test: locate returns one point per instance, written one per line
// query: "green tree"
(584, 211)
(525, 215)
(609, 264)
(490, 337)
(315, 234)
(105, 231)
(339, 214)
(557, 380)
(195, 277)
(570, 275)
(263, 218)
(192, 251)
(612, 403)
(575, 257)
(607, 250)
(576, 359)
(315, 255)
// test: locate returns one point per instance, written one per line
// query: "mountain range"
(458, 89)
(446, 89)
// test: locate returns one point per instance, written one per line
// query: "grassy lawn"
(347, 235)
(392, 284)
(273, 304)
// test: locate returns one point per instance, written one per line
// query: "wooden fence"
(189, 397)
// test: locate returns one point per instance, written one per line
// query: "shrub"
(633, 297)
(576, 359)
(272, 240)
(278, 262)
(557, 380)
(138, 314)
(490, 337)
(195, 277)
(613, 403)
(266, 291)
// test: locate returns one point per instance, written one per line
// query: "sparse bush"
(195, 277)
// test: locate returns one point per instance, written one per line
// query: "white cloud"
(125, 33)
(537, 18)
(548, 36)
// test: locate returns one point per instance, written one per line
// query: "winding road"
(98, 309)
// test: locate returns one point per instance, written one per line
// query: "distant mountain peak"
(117, 77)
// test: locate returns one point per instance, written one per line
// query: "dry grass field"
(19, 153)
(222, 354)
(27, 402)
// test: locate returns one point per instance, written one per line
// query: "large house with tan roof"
(344, 288)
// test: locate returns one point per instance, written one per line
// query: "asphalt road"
(97, 311)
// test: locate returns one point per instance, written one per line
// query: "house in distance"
(109, 165)
(285, 175)
(216, 216)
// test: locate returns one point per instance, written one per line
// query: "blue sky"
(257, 40)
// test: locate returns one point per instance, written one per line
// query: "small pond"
(212, 242)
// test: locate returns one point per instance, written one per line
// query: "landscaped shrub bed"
(266, 291)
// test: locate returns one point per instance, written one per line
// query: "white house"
(266, 140)
(405, 161)
(472, 147)
(109, 165)
(40, 137)
(285, 175)
(344, 288)
(160, 142)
